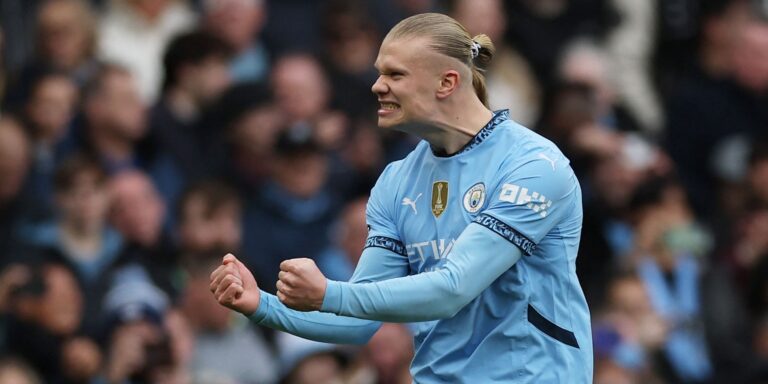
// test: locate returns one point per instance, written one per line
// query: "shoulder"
(400, 169)
(519, 145)
(531, 160)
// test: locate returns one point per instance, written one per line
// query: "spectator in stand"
(239, 23)
(348, 236)
(585, 62)
(303, 94)
(138, 213)
(350, 47)
(389, 352)
(296, 203)
(17, 372)
(66, 34)
(669, 251)
(226, 348)
(79, 237)
(114, 118)
(719, 101)
(510, 81)
(627, 333)
(253, 122)
(15, 162)
(147, 26)
(209, 218)
(321, 364)
(49, 113)
(142, 333)
(46, 313)
(541, 29)
(195, 67)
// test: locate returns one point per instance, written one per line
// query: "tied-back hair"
(450, 38)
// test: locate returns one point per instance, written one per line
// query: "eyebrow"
(389, 69)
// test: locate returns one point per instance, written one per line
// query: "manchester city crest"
(474, 198)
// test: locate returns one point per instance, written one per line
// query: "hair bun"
(485, 50)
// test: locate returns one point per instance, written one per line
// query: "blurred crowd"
(141, 140)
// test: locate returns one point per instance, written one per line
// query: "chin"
(391, 121)
(388, 122)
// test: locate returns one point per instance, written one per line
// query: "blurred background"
(141, 140)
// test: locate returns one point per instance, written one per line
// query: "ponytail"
(480, 63)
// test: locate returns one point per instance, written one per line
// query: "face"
(137, 209)
(390, 350)
(118, 107)
(52, 107)
(209, 79)
(628, 296)
(61, 306)
(300, 87)
(303, 175)
(407, 81)
(204, 312)
(257, 130)
(64, 39)
(202, 232)
(85, 204)
(750, 56)
(482, 16)
(235, 21)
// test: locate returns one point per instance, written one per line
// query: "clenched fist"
(301, 285)
(234, 286)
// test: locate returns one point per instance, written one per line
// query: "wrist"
(332, 298)
(261, 310)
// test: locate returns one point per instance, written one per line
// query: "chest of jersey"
(436, 203)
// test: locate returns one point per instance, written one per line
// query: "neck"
(81, 238)
(182, 104)
(454, 124)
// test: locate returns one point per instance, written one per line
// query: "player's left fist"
(301, 285)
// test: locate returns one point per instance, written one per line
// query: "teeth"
(389, 106)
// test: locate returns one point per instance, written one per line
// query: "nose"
(379, 87)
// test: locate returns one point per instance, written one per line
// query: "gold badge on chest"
(439, 197)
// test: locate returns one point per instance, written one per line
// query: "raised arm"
(530, 201)
(478, 258)
(234, 286)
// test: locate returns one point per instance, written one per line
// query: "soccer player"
(473, 235)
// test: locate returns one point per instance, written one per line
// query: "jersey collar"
(498, 117)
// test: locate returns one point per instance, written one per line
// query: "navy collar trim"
(498, 117)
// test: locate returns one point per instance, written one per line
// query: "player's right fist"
(234, 286)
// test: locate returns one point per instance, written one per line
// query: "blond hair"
(450, 38)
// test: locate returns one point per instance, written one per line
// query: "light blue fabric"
(459, 225)
(49, 235)
(251, 65)
(375, 264)
(685, 346)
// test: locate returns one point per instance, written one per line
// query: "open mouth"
(389, 106)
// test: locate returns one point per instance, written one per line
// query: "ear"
(449, 82)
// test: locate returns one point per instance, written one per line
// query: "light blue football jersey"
(532, 324)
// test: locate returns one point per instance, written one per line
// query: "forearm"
(478, 258)
(318, 326)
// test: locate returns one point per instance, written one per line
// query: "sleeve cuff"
(262, 310)
(332, 299)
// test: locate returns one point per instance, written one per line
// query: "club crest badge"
(474, 198)
(439, 197)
